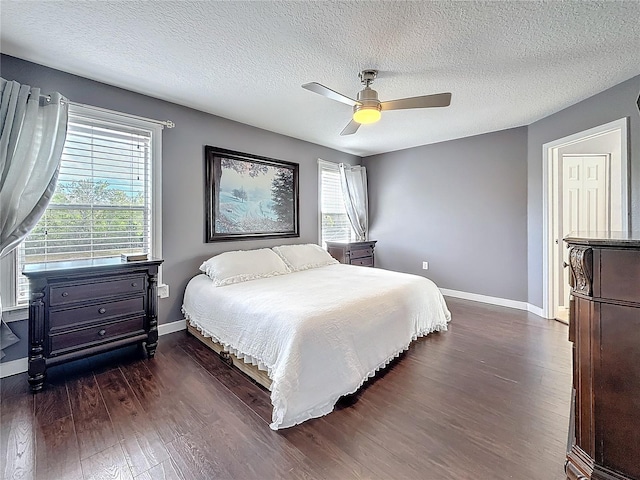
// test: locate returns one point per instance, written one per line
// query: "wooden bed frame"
(259, 376)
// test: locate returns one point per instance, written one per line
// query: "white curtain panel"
(32, 135)
(353, 180)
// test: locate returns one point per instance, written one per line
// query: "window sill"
(15, 314)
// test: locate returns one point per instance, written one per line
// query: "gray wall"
(471, 207)
(184, 248)
(461, 205)
(612, 104)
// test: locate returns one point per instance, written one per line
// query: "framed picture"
(249, 197)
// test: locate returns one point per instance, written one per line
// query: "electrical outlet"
(425, 265)
(163, 291)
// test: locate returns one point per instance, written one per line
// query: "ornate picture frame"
(248, 196)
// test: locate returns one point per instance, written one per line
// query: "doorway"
(585, 187)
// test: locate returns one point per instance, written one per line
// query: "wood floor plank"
(159, 387)
(195, 389)
(52, 403)
(266, 447)
(168, 342)
(166, 470)
(146, 386)
(450, 436)
(203, 392)
(94, 429)
(57, 452)
(17, 437)
(332, 461)
(109, 464)
(117, 358)
(195, 458)
(486, 400)
(230, 448)
(141, 442)
(262, 446)
(157, 400)
(13, 385)
(241, 385)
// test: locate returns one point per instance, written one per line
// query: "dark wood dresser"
(353, 253)
(604, 326)
(84, 307)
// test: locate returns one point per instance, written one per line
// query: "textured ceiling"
(506, 63)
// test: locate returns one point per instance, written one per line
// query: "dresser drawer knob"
(65, 294)
(102, 310)
(102, 333)
(134, 284)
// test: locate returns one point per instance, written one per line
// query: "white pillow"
(303, 257)
(243, 265)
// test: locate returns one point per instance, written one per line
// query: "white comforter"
(319, 333)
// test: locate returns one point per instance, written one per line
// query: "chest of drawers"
(604, 326)
(84, 307)
(353, 253)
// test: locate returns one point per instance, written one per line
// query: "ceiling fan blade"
(425, 101)
(327, 92)
(351, 128)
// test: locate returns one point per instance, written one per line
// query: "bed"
(311, 330)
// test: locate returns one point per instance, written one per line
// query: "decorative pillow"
(243, 265)
(303, 257)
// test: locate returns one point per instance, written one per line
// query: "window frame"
(325, 165)
(9, 263)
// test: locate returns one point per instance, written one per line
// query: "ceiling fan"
(367, 107)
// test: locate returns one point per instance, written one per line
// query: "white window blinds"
(102, 203)
(335, 226)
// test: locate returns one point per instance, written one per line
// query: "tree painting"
(281, 187)
(252, 197)
(240, 194)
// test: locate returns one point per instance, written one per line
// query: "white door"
(585, 206)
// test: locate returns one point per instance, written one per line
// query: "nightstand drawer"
(353, 253)
(98, 312)
(361, 252)
(363, 262)
(96, 334)
(71, 293)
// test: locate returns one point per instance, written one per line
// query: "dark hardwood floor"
(489, 399)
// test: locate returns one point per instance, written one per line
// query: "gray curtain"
(353, 180)
(33, 129)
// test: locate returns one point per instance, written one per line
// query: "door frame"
(549, 167)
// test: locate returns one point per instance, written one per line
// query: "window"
(334, 223)
(106, 200)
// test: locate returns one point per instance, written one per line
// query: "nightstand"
(83, 307)
(353, 253)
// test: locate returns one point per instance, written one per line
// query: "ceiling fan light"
(366, 115)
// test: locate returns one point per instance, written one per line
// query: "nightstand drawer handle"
(102, 333)
(102, 310)
(65, 294)
(134, 284)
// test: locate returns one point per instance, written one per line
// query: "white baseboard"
(13, 367)
(502, 302)
(20, 365)
(171, 327)
(537, 311)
